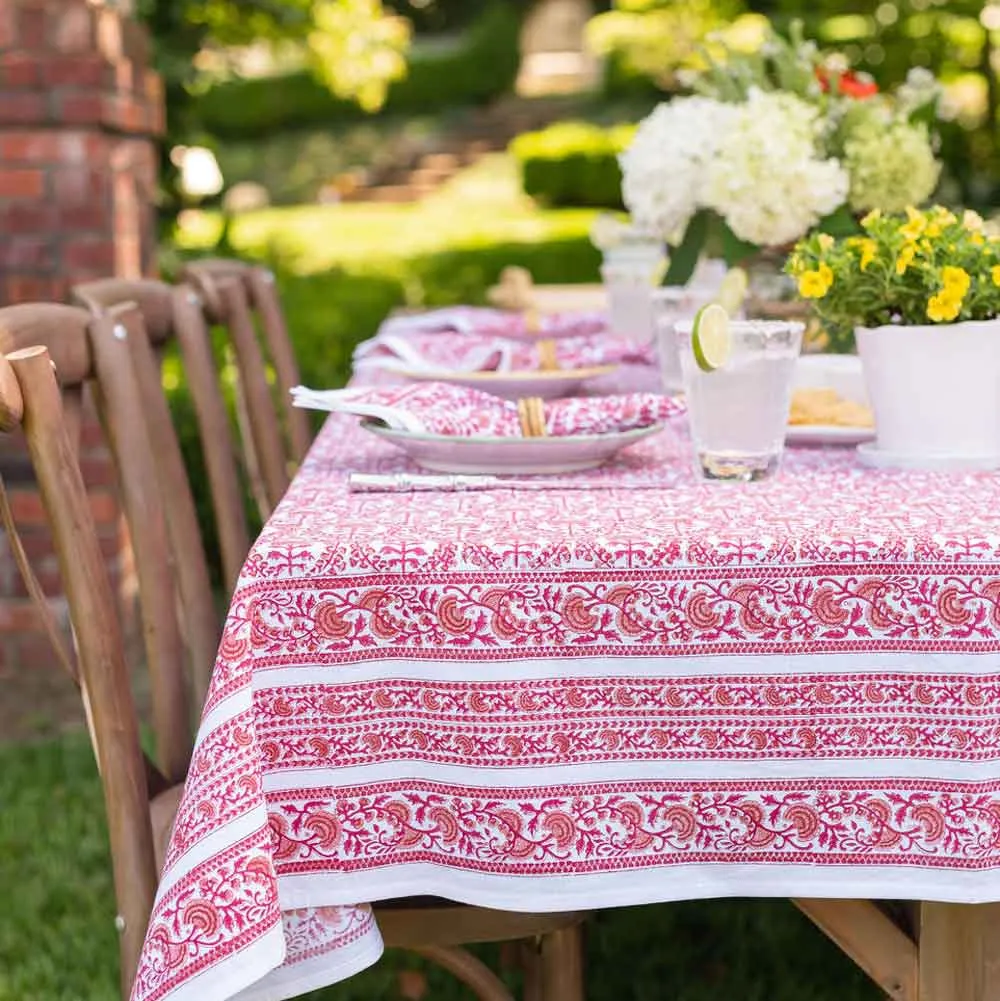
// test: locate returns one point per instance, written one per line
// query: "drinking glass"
(630, 273)
(738, 412)
(671, 305)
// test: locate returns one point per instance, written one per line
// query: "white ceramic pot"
(935, 390)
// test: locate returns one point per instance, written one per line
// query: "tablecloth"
(575, 699)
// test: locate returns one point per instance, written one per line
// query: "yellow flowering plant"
(909, 268)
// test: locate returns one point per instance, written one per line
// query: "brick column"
(79, 113)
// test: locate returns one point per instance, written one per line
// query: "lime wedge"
(710, 339)
(733, 291)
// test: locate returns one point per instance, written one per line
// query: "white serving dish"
(510, 456)
(844, 375)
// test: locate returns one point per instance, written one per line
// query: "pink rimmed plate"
(510, 456)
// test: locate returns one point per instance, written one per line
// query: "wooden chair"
(275, 438)
(175, 313)
(141, 797)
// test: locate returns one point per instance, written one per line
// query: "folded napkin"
(474, 352)
(496, 323)
(444, 409)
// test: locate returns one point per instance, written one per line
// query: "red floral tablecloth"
(575, 699)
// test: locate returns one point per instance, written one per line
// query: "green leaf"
(840, 223)
(735, 250)
(684, 258)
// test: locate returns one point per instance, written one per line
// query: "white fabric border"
(392, 665)
(320, 971)
(647, 885)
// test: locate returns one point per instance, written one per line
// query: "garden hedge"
(481, 67)
(573, 164)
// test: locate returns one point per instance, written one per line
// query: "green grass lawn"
(481, 206)
(341, 269)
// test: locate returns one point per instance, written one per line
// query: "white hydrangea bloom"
(663, 170)
(891, 166)
(765, 177)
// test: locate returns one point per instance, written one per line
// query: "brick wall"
(79, 112)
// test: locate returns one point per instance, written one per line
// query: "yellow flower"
(905, 258)
(944, 306)
(914, 229)
(872, 218)
(943, 216)
(977, 239)
(868, 249)
(825, 242)
(995, 273)
(956, 281)
(933, 230)
(815, 284)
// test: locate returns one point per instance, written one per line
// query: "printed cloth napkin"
(476, 352)
(444, 409)
(495, 323)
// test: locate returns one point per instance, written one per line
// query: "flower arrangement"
(903, 269)
(774, 144)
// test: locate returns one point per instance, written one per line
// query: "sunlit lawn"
(481, 205)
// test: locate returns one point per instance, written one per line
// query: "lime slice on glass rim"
(711, 341)
(733, 290)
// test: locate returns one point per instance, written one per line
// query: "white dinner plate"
(842, 373)
(548, 384)
(510, 456)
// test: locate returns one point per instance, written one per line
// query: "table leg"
(562, 965)
(959, 952)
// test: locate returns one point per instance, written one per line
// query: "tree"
(357, 48)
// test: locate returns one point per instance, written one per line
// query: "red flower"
(850, 84)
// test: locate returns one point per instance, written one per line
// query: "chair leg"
(562, 965)
(530, 961)
(475, 974)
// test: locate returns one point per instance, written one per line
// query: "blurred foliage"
(573, 163)
(648, 44)
(358, 52)
(182, 29)
(475, 67)
(439, 16)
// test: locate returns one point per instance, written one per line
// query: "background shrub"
(573, 163)
(479, 65)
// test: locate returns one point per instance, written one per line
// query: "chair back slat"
(264, 296)
(218, 445)
(103, 669)
(227, 301)
(202, 625)
(277, 428)
(121, 409)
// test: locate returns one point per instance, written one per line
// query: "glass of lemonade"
(630, 273)
(738, 380)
